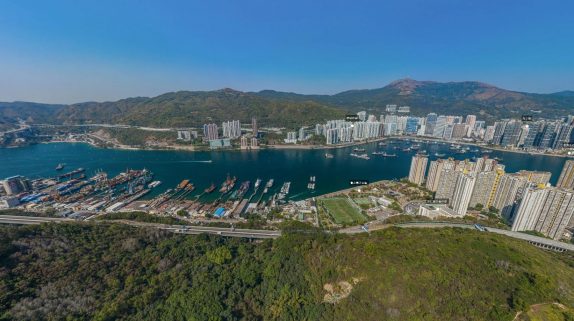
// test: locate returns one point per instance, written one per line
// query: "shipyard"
(73, 194)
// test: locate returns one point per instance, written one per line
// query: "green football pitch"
(342, 211)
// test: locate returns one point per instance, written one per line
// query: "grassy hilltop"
(110, 272)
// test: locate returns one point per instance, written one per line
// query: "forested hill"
(449, 98)
(111, 272)
(274, 108)
(180, 109)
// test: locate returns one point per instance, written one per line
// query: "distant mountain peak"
(407, 86)
(229, 91)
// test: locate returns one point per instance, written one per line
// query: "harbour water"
(205, 168)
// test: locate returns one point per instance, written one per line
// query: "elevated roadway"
(181, 229)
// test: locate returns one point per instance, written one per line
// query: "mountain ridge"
(288, 109)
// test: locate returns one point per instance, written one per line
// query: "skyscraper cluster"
(210, 132)
(525, 198)
(395, 122)
(524, 133)
(342, 131)
(532, 135)
(231, 129)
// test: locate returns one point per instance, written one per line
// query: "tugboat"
(60, 166)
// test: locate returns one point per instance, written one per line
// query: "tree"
(220, 255)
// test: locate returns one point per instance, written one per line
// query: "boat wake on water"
(292, 196)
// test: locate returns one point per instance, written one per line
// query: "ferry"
(359, 150)
(60, 166)
(327, 155)
(388, 155)
(439, 155)
(408, 149)
(382, 144)
(377, 153)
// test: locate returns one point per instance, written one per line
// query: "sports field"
(363, 200)
(342, 211)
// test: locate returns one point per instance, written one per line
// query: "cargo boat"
(228, 184)
(242, 189)
(183, 184)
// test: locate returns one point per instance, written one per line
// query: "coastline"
(295, 146)
(490, 147)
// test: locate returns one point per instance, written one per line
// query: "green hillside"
(285, 109)
(111, 272)
(180, 109)
(450, 98)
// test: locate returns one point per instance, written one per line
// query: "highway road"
(182, 229)
(269, 234)
(28, 220)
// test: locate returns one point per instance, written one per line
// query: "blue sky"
(72, 51)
